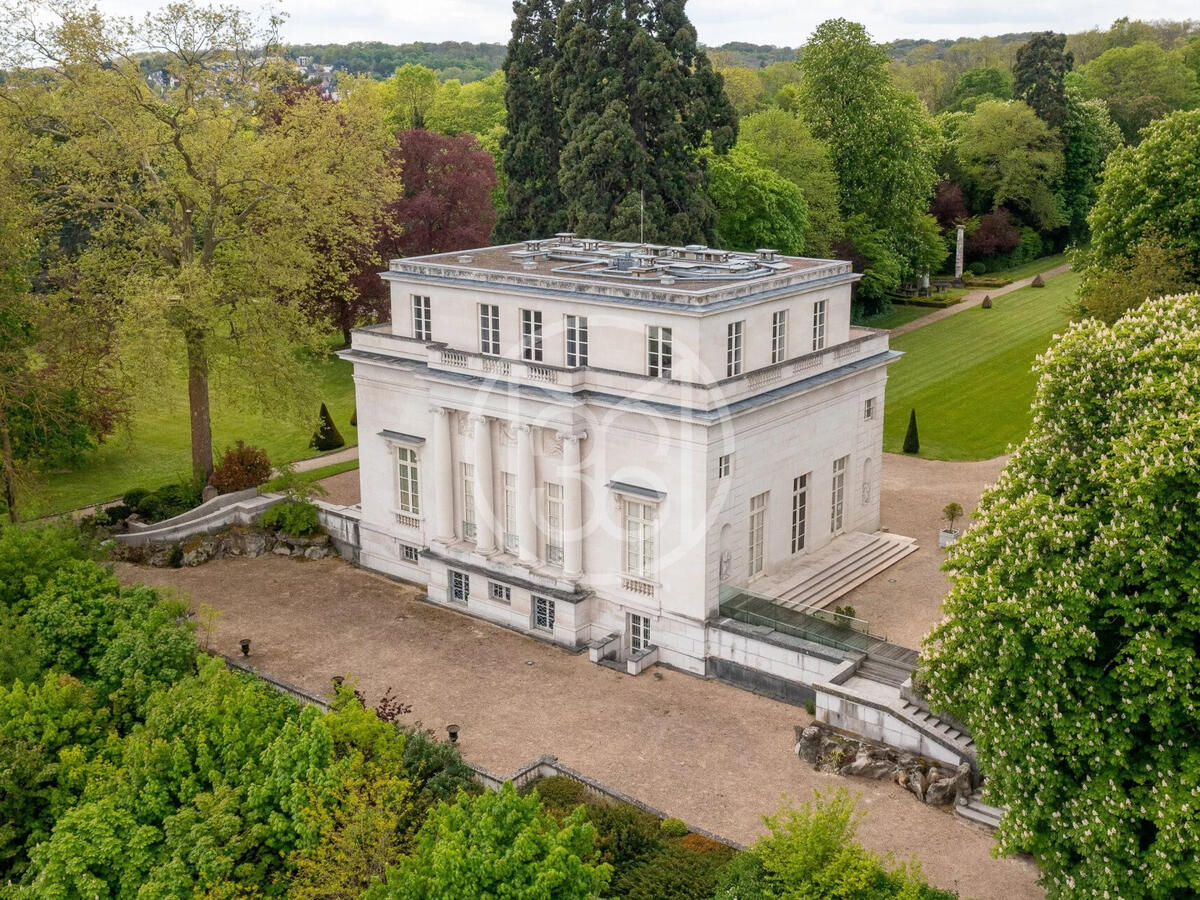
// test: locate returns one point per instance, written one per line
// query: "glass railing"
(820, 626)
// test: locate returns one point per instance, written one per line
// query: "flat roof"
(693, 274)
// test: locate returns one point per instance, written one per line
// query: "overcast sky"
(781, 22)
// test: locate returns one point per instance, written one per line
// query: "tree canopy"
(1014, 158)
(609, 105)
(883, 147)
(497, 844)
(199, 202)
(1140, 84)
(1039, 75)
(784, 144)
(1152, 188)
(755, 206)
(1069, 642)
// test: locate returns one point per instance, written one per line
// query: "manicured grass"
(156, 448)
(969, 376)
(898, 315)
(314, 474)
(1045, 264)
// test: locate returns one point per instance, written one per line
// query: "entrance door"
(639, 632)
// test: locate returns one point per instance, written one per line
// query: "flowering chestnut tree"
(1070, 642)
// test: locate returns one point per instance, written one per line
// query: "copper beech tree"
(199, 195)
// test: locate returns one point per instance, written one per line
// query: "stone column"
(526, 496)
(572, 483)
(443, 476)
(485, 514)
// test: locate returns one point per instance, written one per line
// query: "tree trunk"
(10, 473)
(202, 454)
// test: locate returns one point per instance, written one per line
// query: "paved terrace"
(711, 754)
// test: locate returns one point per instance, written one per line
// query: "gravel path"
(905, 601)
(975, 298)
(711, 754)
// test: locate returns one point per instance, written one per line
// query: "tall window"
(639, 632)
(639, 539)
(799, 512)
(658, 352)
(543, 614)
(819, 325)
(869, 408)
(577, 341)
(409, 498)
(758, 532)
(779, 336)
(837, 507)
(733, 349)
(554, 523)
(489, 329)
(531, 335)
(468, 504)
(724, 465)
(422, 318)
(460, 586)
(510, 512)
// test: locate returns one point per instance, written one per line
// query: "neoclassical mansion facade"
(581, 439)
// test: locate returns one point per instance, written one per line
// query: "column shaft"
(526, 496)
(485, 514)
(443, 476)
(572, 483)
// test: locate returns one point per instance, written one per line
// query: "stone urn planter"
(947, 536)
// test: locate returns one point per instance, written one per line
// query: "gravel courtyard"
(904, 602)
(711, 754)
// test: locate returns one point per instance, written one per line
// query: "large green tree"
(57, 395)
(609, 105)
(756, 207)
(1014, 159)
(497, 844)
(1151, 188)
(200, 199)
(1039, 75)
(884, 147)
(1069, 640)
(1089, 135)
(639, 99)
(532, 141)
(811, 852)
(784, 144)
(1140, 84)
(976, 85)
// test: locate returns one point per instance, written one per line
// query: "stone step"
(848, 572)
(981, 814)
(882, 672)
(865, 556)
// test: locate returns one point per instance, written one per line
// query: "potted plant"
(951, 513)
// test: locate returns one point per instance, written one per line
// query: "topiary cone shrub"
(354, 418)
(912, 443)
(327, 436)
(987, 301)
(1037, 281)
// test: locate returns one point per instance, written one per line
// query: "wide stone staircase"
(835, 570)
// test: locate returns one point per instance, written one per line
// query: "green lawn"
(1045, 264)
(897, 315)
(156, 448)
(968, 376)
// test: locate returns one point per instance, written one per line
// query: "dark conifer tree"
(1039, 73)
(532, 143)
(912, 443)
(636, 100)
